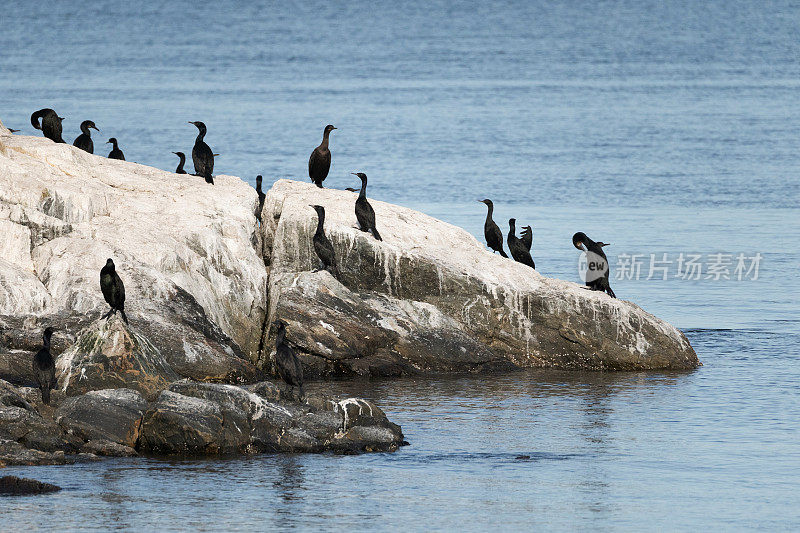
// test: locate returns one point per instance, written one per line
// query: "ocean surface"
(659, 127)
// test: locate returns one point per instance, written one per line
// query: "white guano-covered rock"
(430, 297)
(188, 253)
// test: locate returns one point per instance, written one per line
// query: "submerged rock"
(188, 255)
(209, 419)
(430, 297)
(12, 485)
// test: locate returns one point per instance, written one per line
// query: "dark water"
(661, 127)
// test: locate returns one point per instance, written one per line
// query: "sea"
(669, 129)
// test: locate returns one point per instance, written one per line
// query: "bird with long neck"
(202, 156)
(494, 237)
(516, 247)
(322, 245)
(50, 124)
(319, 163)
(44, 368)
(182, 161)
(364, 212)
(115, 153)
(287, 364)
(261, 195)
(113, 290)
(84, 140)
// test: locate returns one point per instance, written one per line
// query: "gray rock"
(13, 454)
(431, 298)
(113, 415)
(107, 448)
(208, 419)
(12, 485)
(110, 354)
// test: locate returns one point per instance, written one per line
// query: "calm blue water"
(660, 127)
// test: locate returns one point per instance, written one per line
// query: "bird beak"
(95, 128)
(335, 128)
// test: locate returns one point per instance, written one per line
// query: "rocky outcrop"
(188, 418)
(430, 297)
(187, 252)
(210, 419)
(111, 415)
(20, 486)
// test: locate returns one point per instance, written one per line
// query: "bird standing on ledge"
(84, 140)
(320, 161)
(44, 367)
(115, 153)
(50, 125)
(494, 237)
(364, 212)
(202, 156)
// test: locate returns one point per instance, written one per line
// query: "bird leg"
(108, 315)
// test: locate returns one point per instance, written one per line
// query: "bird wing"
(107, 286)
(119, 288)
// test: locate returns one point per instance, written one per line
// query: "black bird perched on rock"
(182, 157)
(527, 237)
(44, 367)
(84, 140)
(202, 156)
(364, 212)
(113, 290)
(261, 195)
(320, 161)
(516, 247)
(115, 152)
(50, 124)
(322, 245)
(288, 365)
(598, 269)
(494, 237)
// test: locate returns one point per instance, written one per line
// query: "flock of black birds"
(287, 363)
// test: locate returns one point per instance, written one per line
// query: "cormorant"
(261, 195)
(527, 237)
(182, 157)
(494, 237)
(288, 365)
(320, 161)
(115, 153)
(599, 269)
(202, 156)
(516, 247)
(50, 125)
(322, 245)
(364, 212)
(12, 130)
(44, 367)
(84, 140)
(113, 290)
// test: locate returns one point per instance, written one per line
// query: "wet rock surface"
(187, 418)
(12, 485)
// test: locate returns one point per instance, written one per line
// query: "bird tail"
(610, 292)
(124, 316)
(209, 179)
(376, 234)
(45, 394)
(503, 253)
